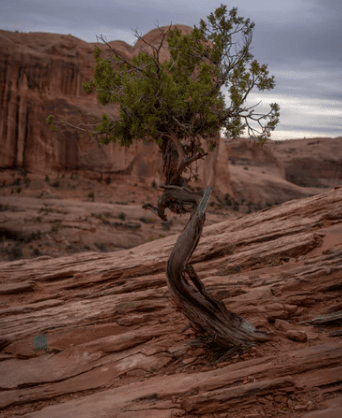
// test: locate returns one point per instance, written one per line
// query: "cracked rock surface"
(94, 334)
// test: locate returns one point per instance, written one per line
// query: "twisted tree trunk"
(210, 318)
(215, 326)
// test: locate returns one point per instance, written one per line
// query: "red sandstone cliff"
(42, 74)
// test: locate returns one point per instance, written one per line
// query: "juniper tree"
(179, 104)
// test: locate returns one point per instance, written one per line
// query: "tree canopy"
(179, 101)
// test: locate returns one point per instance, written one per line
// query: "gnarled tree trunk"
(212, 322)
(208, 316)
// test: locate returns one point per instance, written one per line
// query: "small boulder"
(296, 335)
(283, 326)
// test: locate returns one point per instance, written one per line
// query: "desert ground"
(87, 326)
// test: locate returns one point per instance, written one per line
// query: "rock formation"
(95, 334)
(43, 74)
(311, 162)
(283, 170)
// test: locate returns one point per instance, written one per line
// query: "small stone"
(291, 309)
(295, 335)
(180, 413)
(198, 352)
(300, 407)
(281, 325)
(189, 360)
(310, 406)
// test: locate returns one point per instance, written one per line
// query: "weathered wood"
(208, 316)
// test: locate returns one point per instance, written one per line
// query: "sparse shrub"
(132, 225)
(32, 236)
(47, 178)
(91, 196)
(55, 184)
(4, 207)
(227, 200)
(122, 216)
(108, 180)
(36, 252)
(161, 236)
(18, 189)
(236, 206)
(147, 220)
(14, 252)
(55, 227)
(167, 225)
(101, 247)
(74, 176)
(17, 182)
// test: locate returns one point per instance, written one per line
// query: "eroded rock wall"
(42, 74)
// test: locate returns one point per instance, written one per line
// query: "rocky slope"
(95, 335)
(311, 162)
(264, 175)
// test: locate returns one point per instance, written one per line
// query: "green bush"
(122, 216)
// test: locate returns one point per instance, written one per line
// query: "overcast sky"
(300, 40)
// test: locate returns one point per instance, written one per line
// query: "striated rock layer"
(42, 74)
(94, 335)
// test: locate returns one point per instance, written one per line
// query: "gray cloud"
(300, 40)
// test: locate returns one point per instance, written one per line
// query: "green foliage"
(182, 97)
(147, 220)
(55, 184)
(122, 216)
(49, 121)
(167, 225)
(55, 227)
(14, 251)
(162, 98)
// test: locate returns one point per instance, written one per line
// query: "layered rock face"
(95, 335)
(42, 74)
(311, 162)
(259, 174)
